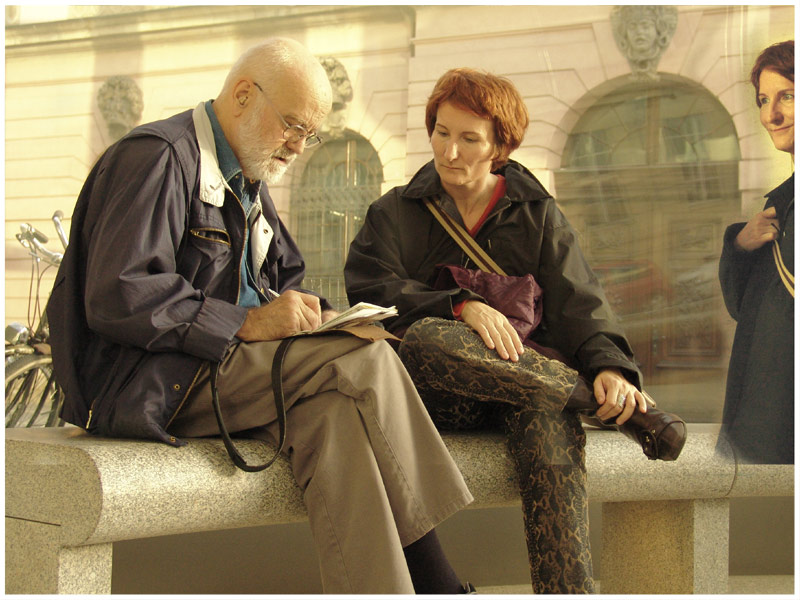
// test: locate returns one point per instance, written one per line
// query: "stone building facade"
(643, 125)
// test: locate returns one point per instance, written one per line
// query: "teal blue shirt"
(244, 191)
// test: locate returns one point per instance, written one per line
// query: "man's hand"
(329, 314)
(494, 328)
(760, 230)
(288, 314)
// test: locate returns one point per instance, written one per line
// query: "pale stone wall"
(178, 57)
(561, 58)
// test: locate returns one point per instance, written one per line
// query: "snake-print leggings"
(465, 385)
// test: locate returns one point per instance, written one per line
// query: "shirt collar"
(228, 163)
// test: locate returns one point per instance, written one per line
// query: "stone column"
(665, 547)
(37, 564)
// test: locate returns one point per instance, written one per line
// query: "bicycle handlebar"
(57, 216)
(34, 240)
(30, 232)
(50, 257)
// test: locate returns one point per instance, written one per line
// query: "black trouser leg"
(430, 570)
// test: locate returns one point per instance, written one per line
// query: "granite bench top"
(99, 490)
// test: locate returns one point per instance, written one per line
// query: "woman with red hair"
(470, 366)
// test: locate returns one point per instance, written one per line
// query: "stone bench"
(69, 496)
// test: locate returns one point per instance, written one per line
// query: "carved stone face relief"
(120, 103)
(334, 125)
(642, 34)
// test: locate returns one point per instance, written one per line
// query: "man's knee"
(373, 354)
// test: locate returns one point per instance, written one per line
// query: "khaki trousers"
(374, 472)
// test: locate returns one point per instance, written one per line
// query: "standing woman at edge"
(467, 361)
(757, 256)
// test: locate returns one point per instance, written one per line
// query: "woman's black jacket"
(392, 261)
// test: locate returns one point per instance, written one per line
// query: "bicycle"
(33, 398)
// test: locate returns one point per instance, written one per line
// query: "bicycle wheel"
(33, 399)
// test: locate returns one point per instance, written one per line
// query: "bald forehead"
(287, 69)
(304, 99)
(304, 79)
(282, 60)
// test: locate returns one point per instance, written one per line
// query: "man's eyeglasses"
(293, 133)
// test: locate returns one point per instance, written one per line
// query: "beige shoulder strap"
(463, 239)
(786, 276)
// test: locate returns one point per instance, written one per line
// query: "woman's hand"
(617, 396)
(760, 230)
(494, 328)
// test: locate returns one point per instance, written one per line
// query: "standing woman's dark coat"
(758, 418)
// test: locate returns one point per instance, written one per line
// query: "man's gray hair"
(270, 61)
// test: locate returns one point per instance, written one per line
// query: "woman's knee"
(435, 338)
(427, 331)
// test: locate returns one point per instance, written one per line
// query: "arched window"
(327, 209)
(649, 178)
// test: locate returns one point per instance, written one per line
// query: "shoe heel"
(661, 435)
(671, 441)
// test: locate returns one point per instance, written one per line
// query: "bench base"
(666, 547)
(663, 547)
(70, 496)
(37, 564)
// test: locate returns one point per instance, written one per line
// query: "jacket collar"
(521, 184)
(213, 186)
(784, 192)
(212, 181)
(782, 198)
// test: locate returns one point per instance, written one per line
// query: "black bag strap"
(277, 390)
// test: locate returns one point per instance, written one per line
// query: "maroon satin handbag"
(518, 298)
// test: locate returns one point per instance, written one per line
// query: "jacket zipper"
(91, 407)
(238, 291)
(239, 261)
(185, 396)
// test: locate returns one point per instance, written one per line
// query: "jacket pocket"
(211, 234)
(208, 261)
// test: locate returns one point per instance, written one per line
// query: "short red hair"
(779, 58)
(485, 95)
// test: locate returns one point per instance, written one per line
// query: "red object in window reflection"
(633, 286)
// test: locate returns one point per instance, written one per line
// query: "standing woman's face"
(776, 97)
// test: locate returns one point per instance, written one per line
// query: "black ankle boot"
(660, 434)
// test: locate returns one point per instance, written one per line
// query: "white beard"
(256, 165)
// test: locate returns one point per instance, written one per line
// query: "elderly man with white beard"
(177, 289)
